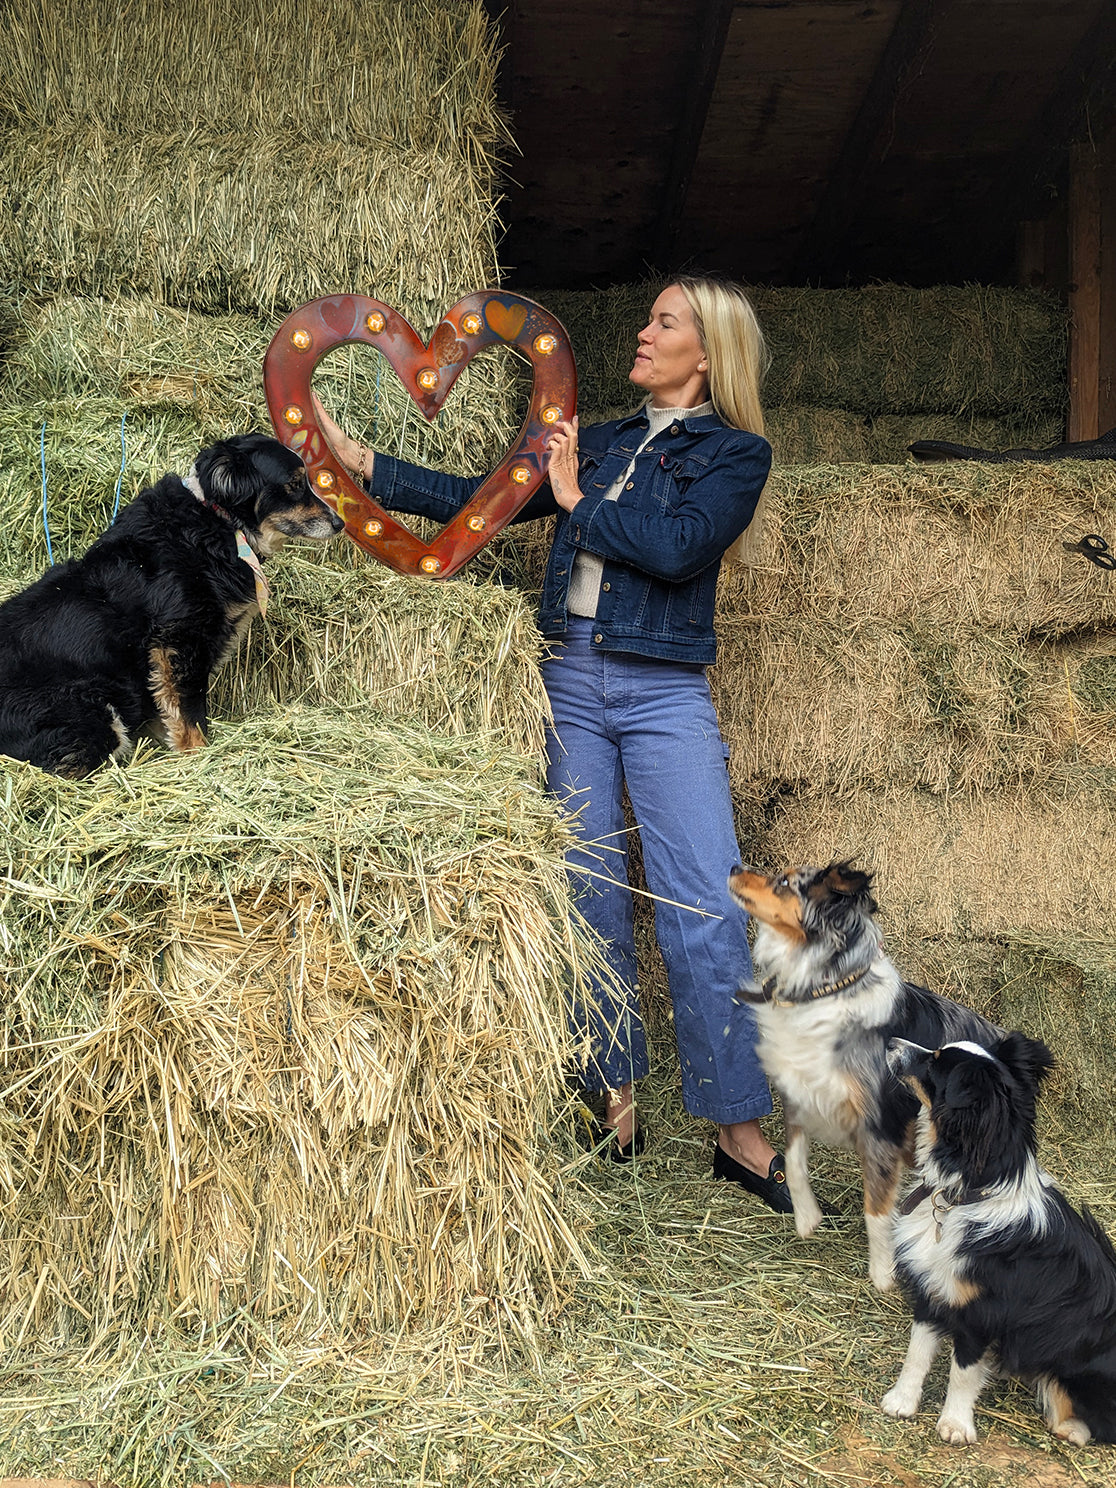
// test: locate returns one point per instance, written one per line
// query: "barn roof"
(793, 141)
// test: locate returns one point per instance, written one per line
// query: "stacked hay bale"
(282, 1026)
(858, 375)
(923, 676)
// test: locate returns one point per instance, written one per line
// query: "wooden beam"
(864, 145)
(700, 78)
(1084, 292)
(1106, 370)
(1080, 102)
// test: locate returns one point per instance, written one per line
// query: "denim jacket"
(692, 493)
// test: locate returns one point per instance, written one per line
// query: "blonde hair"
(734, 346)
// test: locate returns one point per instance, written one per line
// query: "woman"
(647, 507)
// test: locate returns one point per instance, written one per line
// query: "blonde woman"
(648, 506)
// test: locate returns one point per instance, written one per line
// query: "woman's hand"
(355, 457)
(562, 470)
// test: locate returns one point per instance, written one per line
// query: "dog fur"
(123, 640)
(992, 1256)
(829, 1002)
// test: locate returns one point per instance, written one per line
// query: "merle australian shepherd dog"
(123, 640)
(828, 1003)
(992, 1256)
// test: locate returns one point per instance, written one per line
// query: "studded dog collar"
(827, 989)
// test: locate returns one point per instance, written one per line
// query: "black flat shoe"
(772, 1190)
(619, 1152)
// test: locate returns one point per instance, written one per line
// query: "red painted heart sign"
(428, 371)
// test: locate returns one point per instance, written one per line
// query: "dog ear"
(1028, 1059)
(842, 879)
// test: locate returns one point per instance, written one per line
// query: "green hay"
(283, 1030)
(883, 350)
(151, 356)
(712, 1345)
(890, 435)
(302, 156)
(83, 459)
(460, 657)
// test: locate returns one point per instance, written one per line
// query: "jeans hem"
(729, 1115)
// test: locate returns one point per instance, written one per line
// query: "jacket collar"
(697, 425)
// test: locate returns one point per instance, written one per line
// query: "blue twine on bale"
(123, 459)
(42, 466)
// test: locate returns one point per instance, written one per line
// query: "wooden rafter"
(712, 24)
(866, 140)
(1084, 95)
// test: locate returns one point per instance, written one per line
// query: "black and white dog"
(123, 640)
(992, 1256)
(828, 1003)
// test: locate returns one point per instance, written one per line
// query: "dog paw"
(900, 1401)
(956, 1430)
(807, 1217)
(1073, 1431)
(882, 1275)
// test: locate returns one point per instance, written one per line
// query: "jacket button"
(674, 428)
(598, 638)
(606, 587)
(629, 486)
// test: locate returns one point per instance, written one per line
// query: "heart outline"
(308, 333)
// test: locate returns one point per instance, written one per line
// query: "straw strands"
(950, 546)
(461, 658)
(283, 1030)
(957, 351)
(294, 156)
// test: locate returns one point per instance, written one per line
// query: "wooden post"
(1084, 291)
(1106, 396)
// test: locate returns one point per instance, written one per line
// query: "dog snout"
(902, 1056)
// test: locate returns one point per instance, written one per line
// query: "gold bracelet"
(360, 466)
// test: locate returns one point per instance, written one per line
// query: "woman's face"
(669, 362)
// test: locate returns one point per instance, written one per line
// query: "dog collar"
(939, 1204)
(827, 989)
(243, 547)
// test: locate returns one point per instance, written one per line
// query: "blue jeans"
(618, 719)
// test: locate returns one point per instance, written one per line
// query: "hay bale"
(885, 348)
(460, 657)
(889, 436)
(882, 350)
(812, 705)
(283, 1031)
(952, 546)
(256, 168)
(1005, 902)
(81, 439)
(984, 866)
(804, 435)
(150, 356)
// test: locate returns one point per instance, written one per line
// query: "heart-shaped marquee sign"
(487, 318)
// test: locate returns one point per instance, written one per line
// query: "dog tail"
(1094, 1398)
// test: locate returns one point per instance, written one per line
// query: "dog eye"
(784, 882)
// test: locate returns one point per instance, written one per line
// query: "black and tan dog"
(123, 640)
(827, 1004)
(992, 1256)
